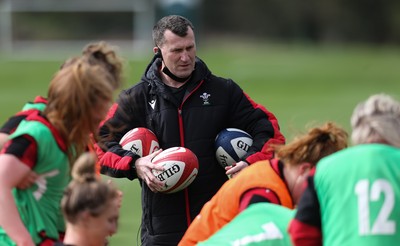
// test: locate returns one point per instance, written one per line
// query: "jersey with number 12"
(359, 193)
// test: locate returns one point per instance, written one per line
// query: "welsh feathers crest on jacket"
(205, 96)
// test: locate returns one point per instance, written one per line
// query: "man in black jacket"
(184, 104)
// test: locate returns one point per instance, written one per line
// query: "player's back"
(358, 190)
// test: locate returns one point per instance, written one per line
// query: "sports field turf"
(302, 85)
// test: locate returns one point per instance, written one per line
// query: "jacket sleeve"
(305, 228)
(260, 123)
(113, 160)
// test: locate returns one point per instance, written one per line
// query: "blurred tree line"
(372, 21)
(361, 21)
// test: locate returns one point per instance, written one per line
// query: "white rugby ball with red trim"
(141, 141)
(180, 168)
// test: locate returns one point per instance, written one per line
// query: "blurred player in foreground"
(100, 53)
(90, 206)
(261, 224)
(353, 197)
(279, 181)
(47, 143)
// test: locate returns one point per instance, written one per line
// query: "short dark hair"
(175, 23)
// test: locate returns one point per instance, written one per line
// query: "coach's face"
(179, 53)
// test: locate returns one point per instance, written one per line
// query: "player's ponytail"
(313, 146)
(104, 54)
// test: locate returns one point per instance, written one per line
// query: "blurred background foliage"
(372, 21)
(317, 21)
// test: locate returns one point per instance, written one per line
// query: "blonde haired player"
(90, 206)
(352, 199)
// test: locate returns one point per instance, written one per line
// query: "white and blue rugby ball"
(231, 144)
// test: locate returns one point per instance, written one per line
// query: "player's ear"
(157, 51)
(305, 167)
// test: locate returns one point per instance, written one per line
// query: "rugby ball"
(141, 141)
(231, 144)
(180, 168)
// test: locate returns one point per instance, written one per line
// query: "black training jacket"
(210, 104)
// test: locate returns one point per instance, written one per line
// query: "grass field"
(303, 85)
